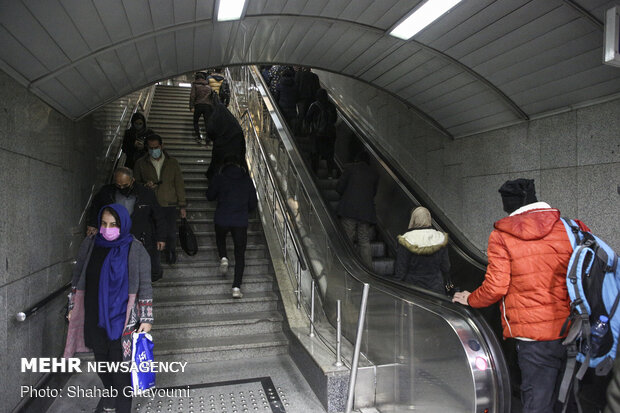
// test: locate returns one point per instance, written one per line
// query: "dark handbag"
(187, 238)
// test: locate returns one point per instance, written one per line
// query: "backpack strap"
(573, 231)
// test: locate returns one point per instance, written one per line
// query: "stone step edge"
(241, 319)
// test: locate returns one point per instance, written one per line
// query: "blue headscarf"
(114, 279)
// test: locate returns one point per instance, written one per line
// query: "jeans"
(361, 231)
(542, 365)
(204, 110)
(240, 241)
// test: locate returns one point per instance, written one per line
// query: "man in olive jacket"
(160, 172)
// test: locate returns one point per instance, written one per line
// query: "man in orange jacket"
(528, 256)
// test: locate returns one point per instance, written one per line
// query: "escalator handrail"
(360, 273)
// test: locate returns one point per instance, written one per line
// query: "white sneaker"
(224, 266)
(236, 293)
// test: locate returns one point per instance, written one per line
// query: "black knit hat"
(517, 193)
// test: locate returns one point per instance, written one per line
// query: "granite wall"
(573, 156)
(48, 165)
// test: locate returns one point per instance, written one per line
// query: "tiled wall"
(48, 165)
(574, 158)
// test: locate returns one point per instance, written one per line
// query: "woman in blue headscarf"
(111, 297)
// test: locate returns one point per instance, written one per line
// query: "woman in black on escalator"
(422, 254)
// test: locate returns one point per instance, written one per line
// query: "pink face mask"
(110, 234)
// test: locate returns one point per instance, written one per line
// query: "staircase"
(196, 319)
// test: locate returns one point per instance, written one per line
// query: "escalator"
(426, 352)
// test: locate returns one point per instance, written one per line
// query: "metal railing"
(403, 327)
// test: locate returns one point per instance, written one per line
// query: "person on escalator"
(321, 118)
(422, 254)
(286, 97)
(200, 102)
(528, 253)
(357, 188)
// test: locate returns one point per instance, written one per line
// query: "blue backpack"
(593, 281)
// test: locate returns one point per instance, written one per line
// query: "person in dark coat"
(228, 139)
(133, 141)
(148, 221)
(422, 257)
(235, 194)
(307, 83)
(200, 101)
(286, 97)
(357, 187)
(322, 117)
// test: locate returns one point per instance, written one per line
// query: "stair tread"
(184, 345)
(215, 299)
(203, 280)
(169, 321)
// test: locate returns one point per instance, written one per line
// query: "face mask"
(110, 234)
(155, 153)
(125, 191)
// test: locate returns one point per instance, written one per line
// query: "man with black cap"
(528, 254)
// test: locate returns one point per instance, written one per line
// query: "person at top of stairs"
(200, 102)
(133, 141)
(235, 194)
(161, 173)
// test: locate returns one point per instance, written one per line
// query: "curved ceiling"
(484, 64)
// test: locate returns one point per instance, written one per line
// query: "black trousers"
(240, 241)
(204, 110)
(170, 216)
(156, 271)
(112, 351)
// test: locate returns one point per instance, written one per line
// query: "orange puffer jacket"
(528, 256)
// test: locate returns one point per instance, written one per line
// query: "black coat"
(422, 259)
(286, 96)
(147, 221)
(357, 188)
(307, 84)
(131, 136)
(234, 192)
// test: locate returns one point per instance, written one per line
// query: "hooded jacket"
(200, 93)
(528, 256)
(286, 95)
(422, 259)
(234, 192)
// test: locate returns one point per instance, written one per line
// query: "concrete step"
(199, 222)
(217, 325)
(172, 286)
(211, 268)
(215, 304)
(208, 237)
(378, 248)
(198, 350)
(209, 252)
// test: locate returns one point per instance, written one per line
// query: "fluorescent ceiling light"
(230, 10)
(422, 17)
(182, 84)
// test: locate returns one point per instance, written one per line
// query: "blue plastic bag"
(142, 378)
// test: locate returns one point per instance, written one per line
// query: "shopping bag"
(142, 356)
(187, 238)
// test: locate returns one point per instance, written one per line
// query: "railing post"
(338, 362)
(298, 292)
(358, 345)
(312, 310)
